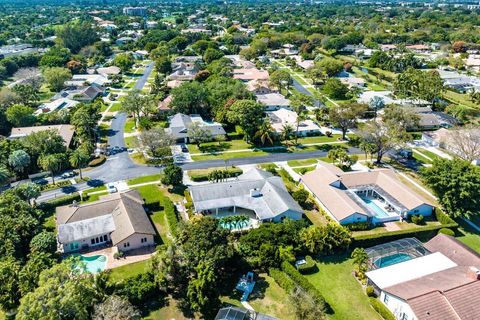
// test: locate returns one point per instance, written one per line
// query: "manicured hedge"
(63, 201)
(381, 309)
(448, 232)
(303, 282)
(97, 161)
(309, 267)
(282, 279)
(203, 176)
(358, 226)
(56, 185)
(424, 232)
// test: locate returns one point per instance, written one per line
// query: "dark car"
(184, 148)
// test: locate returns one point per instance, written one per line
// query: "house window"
(415, 211)
(92, 241)
(126, 244)
(141, 240)
(385, 299)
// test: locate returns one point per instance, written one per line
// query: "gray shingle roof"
(272, 201)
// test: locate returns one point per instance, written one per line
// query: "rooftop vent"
(255, 193)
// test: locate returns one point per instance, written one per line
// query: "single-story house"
(352, 82)
(419, 48)
(240, 62)
(124, 40)
(66, 131)
(376, 196)
(387, 47)
(260, 87)
(256, 193)
(179, 124)
(118, 219)
(82, 94)
(184, 71)
(273, 101)
(164, 105)
(249, 74)
(282, 117)
(56, 105)
(437, 280)
(82, 80)
(109, 71)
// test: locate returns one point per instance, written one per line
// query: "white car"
(111, 188)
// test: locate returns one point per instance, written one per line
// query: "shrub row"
(443, 218)
(302, 282)
(358, 226)
(203, 176)
(281, 278)
(309, 267)
(425, 232)
(63, 201)
(97, 161)
(381, 309)
(52, 186)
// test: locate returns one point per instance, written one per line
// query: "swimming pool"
(392, 259)
(235, 225)
(379, 212)
(93, 264)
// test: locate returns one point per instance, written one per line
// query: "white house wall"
(135, 242)
(397, 306)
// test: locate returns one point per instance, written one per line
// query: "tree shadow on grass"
(215, 148)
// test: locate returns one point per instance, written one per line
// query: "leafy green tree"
(345, 116)
(19, 160)
(137, 104)
(418, 84)
(330, 66)
(300, 102)
(43, 142)
(287, 132)
(124, 61)
(79, 159)
(28, 191)
(173, 175)
(20, 115)
(55, 57)
(9, 291)
(28, 276)
(157, 141)
(115, 307)
(201, 289)
(52, 163)
(325, 239)
(163, 65)
(265, 132)
(456, 183)
(248, 115)
(306, 306)
(335, 89)
(281, 79)
(4, 175)
(191, 98)
(199, 134)
(85, 119)
(55, 77)
(62, 293)
(76, 35)
(27, 93)
(45, 242)
(212, 54)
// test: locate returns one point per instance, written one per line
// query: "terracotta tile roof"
(433, 306)
(454, 249)
(465, 300)
(66, 131)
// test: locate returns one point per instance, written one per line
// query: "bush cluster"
(97, 161)
(281, 278)
(170, 214)
(309, 267)
(359, 226)
(447, 231)
(381, 309)
(204, 176)
(417, 219)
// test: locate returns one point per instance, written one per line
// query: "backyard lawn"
(115, 107)
(214, 147)
(138, 180)
(341, 290)
(468, 235)
(130, 125)
(129, 270)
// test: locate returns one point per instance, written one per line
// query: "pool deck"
(129, 257)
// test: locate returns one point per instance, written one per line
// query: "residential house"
(437, 280)
(164, 105)
(459, 82)
(250, 74)
(140, 54)
(285, 51)
(387, 47)
(283, 117)
(260, 87)
(353, 82)
(184, 71)
(83, 80)
(117, 219)
(473, 62)
(109, 71)
(273, 101)
(419, 48)
(237, 313)
(179, 124)
(430, 120)
(66, 131)
(151, 24)
(124, 40)
(56, 105)
(257, 194)
(82, 94)
(304, 64)
(239, 62)
(376, 196)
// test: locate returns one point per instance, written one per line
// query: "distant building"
(82, 80)
(273, 101)
(283, 117)
(117, 219)
(56, 105)
(180, 123)
(184, 71)
(66, 131)
(260, 87)
(250, 74)
(135, 11)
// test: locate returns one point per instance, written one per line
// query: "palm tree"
(287, 132)
(50, 162)
(4, 175)
(79, 159)
(265, 132)
(301, 116)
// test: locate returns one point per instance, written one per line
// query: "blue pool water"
(392, 259)
(93, 264)
(379, 212)
(235, 226)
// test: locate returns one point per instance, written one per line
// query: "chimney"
(254, 193)
(473, 273)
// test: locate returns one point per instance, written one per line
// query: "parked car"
(184, 148)
(111, 188)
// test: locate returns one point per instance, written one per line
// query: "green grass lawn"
(131, 142)
(230, 155)
(129, 270)
(460, 98)
(421, 158)
(428, 153)
(213, 147)
(134, 181)
(469, 236)
(304, 170)
(115, 107)
(319, 139)
(299, 163)
(129, 125)
(341, 290)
